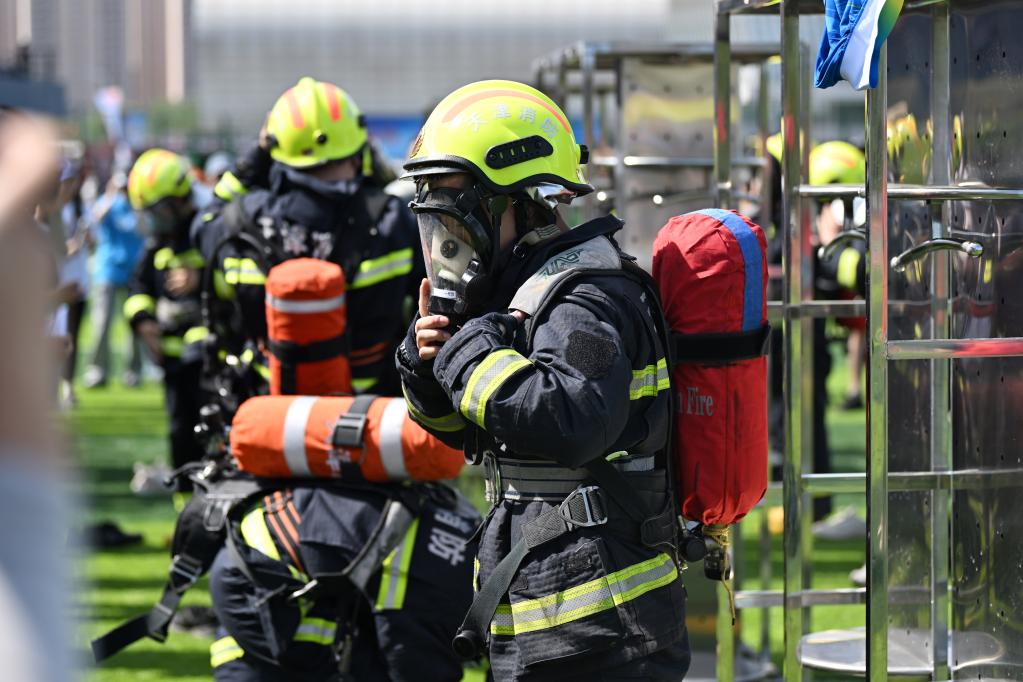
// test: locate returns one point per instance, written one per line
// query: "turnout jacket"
(591, 383)
(372, 236)
(149, 299)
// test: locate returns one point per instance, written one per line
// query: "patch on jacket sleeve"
(590, 354)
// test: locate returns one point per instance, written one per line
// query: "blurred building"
(140, 46)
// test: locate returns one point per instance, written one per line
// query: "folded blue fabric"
(854, 31)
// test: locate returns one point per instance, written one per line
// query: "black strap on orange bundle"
(292, 354)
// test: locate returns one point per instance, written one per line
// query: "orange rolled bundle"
(363, 438)
(306, 322)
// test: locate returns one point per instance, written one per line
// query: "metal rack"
(879, 650)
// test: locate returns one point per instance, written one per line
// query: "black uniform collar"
(519, 269)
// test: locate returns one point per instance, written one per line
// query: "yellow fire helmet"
(508, 135)
(313, 123)
(837, 162)
(156, 175)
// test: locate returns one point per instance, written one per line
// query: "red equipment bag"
(710, 268)
(305, 322)
(358, 438)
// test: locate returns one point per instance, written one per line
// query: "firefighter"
(562, 394)
(163, 302)
(308, 189)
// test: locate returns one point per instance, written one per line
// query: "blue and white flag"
(854, 31)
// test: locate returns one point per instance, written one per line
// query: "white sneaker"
(858, 576)
(148, 480)
(844, 524)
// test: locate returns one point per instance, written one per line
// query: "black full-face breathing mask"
(461, 233)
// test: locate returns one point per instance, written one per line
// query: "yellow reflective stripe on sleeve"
(488, 376)
(223, 290)
(649, 381)
(172, 346)
(584, 600)
(166, 259)
(224, 650)
(848, 266)
(316, 631)
(195, 335)
(242, 271)
(257, 535)
(139, 303)
(377, 270)
(229, 187)
(162, 258)
(448, 423)
(475, 575)
(363, 385)
(394, 572)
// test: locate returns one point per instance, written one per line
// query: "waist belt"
(533, 480)
(583, 507)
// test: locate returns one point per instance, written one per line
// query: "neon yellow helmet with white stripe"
(313, 123)
(508, 135)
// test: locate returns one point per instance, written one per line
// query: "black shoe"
(853, 402)
(199, 621)
(107, 535)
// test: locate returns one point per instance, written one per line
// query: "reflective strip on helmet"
(392, 456)
(166, 259)
(376, 270)
(242, 271)
(316, 631)
(584, 600)
(848, 266)
(138, 304)
(488, 376)
(195, 335)
(318, 306)
(394, 572)
(448, 423)
(649, 381)
(256, 534)
(229, 187)
(294, 434)
(224, 650)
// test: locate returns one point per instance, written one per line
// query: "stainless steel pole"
(877, 423)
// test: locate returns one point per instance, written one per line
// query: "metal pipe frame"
(877, 418)
(722, 190)
(941, 328)
(945, 192)
(793, 331)
(660, 162)
(917, 481)
(587, 63)
(932, 349)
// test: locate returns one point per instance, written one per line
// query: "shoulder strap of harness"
(375, 202)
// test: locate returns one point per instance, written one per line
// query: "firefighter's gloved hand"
(470, 344)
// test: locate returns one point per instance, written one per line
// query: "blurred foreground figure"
(33, 588)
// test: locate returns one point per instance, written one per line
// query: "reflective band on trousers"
(319, 306)
(316, 631)
(448, 423)
(224, 650)
(391, 454)
(294, 434)
(649, 381)
(584, 600)
(376, 270)
(394, 573)
(488, 376)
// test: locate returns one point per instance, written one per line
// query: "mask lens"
(448, 252)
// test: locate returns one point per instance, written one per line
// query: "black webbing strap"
(350, 427)
(720, 348)
(184, 572)
(291, 354)
(584, 507)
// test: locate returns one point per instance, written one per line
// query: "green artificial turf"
(114, 427)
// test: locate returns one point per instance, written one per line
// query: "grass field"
(114, 427)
